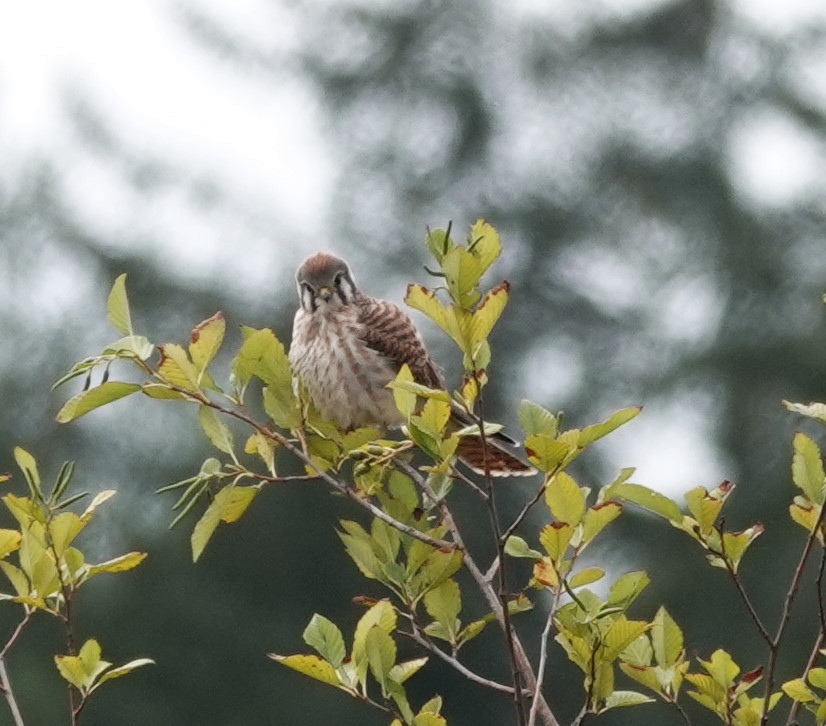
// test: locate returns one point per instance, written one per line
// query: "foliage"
(412, 545)
(48, 570)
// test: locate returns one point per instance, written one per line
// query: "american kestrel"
(346, 348)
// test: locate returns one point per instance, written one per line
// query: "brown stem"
(493, 515)
(821, 638)
(5, 686)
(786, 613)
(543, 655)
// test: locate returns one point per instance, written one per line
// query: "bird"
(347, 346)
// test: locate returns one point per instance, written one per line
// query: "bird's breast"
(345, 378)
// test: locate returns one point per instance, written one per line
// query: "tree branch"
(543, 655)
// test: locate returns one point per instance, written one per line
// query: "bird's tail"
(501, 462)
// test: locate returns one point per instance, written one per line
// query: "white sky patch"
(688, 309)
(779, 17)
(773, 161)
(165, 99)
(669, 444)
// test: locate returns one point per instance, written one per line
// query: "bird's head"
(324, 282)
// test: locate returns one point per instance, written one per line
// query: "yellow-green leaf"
(434, 417)
(93, 398)
(704, 507)
(544, 452)
(555, 537)
(807, 468)
(402, 671)
(117, 306)
(797, 690)
(424, 300)
(429, 719)
(405, 400)
(596, 519)
(565, 499)
(721, 667)
(227, 506)
(124, 669)
(484, 243)
(264, 446)
(324, 635)
(596, 431)
(118, 564)
(817, 677)
(176, 368)
(817, 411)
(63, 528)
(462, 272)
(206, 339)
(805, 515)
(515, 546)
(309, 665)
(97, 500)
(667, 639)
(161, 391)
(262, 355)
(9, 541)
(71, 669)
(645, 497)
(380, 649)
(586, 577)
(620, 635)
(28, 465)
(534, 419)
(443, 604)
(487, 313)
(216, 430)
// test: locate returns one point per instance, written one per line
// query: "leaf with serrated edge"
(402, 671)
(797, 690)
(206, 339)
(536, 420)
(9, 541)
(565, 499)
(122, 670)
(119, 564)
(176, 368)
(93, 398)
(645, 497)
(666, 639)
(484, 243)
(807, 468)
(586, 577)
(216, 429)
(443, 603)
(117, 306)
(555, 537)
(624, 698)
(382, 614)
(544, 452)
(309, 665)
(487, 313)
(589, 434)
(324, 635)
(380, 649)
(228, 505)
(596, 519)
(71, 669)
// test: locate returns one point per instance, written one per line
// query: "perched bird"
(346, 348)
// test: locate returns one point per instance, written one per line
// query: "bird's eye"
(338, 278)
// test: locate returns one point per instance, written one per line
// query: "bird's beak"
(325, 294)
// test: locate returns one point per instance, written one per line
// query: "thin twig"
(454, 471)
(545, 713)
(786, 613)
(453, 662)
(16, 633)
(493, 514)
(299, 454)
(682, 713)
(5, 684)
(531, 502)
(764, 633)
(543, 655)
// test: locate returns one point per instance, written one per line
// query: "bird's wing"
(388, 330)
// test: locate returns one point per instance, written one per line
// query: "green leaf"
(309, 665)
(586, 577)
(28, 465)
(89, 400)
(817, 677)
(63, 528)
(544, 452)
(71, 669)
(216, 430)
(400, 672)
(807, 468)
(555, 537)
(596, 431)
(624, 698)
(666, 639)
(565, 499)
(281, 405)
(124, 669)
(443, 604)
(736, 543)
(433, 419)
(645, 497)
(264, 446)
(324, 635)
(9, 541)
(817, 411)
(227, 506)
(161, 391)
(487, 313)
(626, 589)
(462, 272)
(797, 690)
(596, 519)
(517, 547)
(439, 243)
(135, 345)
(206, 339)
(381, 654)
(176, 368)
(484, 243)
(703, 507)
(721, 667)
(620, 635)
(536, 420)
(424, 300)
(429, 719)
(119, 564)
(382, 615)
(262, 355)
(639, 653)
(117, 306)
